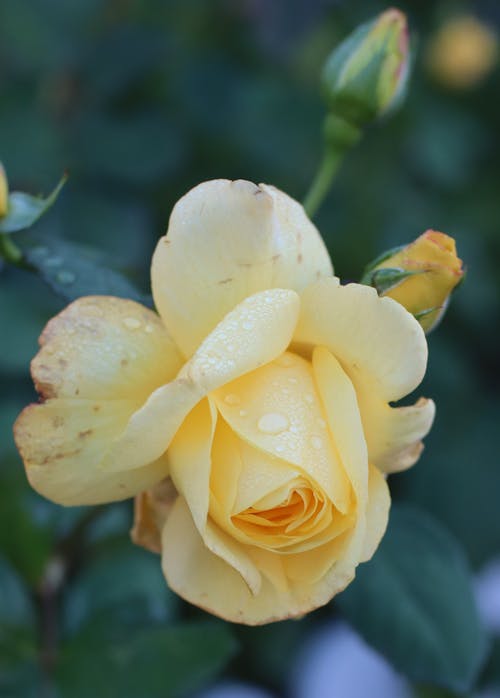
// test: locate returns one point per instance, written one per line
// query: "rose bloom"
(252, 415)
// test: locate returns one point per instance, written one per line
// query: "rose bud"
(420, 276)
(366, 75)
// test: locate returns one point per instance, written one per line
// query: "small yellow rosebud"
(366, 75)
(434, 271)
(4, 192)
(462, 52)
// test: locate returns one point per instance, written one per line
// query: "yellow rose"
(253, 414)
(432, 258)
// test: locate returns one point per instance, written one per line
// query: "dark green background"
(140, 101)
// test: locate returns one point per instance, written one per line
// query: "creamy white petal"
(226, 241)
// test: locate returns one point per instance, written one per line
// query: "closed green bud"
(366, 75)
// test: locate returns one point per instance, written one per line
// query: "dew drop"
(65, 277)
(316, 442)
(149, 329)
(232, 399)
(309, 398)
(279, 448)
(247, 325)
(243, 413)
(321, 423)
(131, 323)
(293, 381)
(272, 423)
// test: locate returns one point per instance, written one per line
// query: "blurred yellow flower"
(252, 417)
(433, 256)
(462, 52)
(4, 192)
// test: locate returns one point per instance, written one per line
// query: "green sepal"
(378, 261)
(422, 313)
(385, 279)
(23, 210)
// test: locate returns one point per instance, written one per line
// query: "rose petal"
(340, 405)
(100, 347)
(205, 580)
(62, 443)
(226, 241)
(254, 333)
(377, 512)
(100, 359)
(282, 416)
(379, 344)
(394, 434)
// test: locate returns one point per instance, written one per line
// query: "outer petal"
(394, 434)
(226, 241)
(100, 347)
(205, 580)
(100, 358)
(62, 442)
(379, 344)
(254, 333)
(377, 513)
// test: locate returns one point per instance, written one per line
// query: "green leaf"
(73, 271)
(108, 659)
(414, 603)
(23, 209)
(129, 581)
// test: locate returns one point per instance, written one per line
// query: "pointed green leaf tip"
(23, 210)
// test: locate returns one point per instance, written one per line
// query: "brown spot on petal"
(300, 258)
(83, 434)
(226, 281)
(123, 363)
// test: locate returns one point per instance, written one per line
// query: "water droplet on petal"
(65, 277)
(149, 329)
(131, 323)
(316, 442)
(243, 413)
(247, 325)
(272, 423)
(321, 423)
(309, 398)
(232, 399)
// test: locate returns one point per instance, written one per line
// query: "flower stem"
(322, 181)
(340, 137)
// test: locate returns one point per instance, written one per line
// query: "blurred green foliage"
(140, 101)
